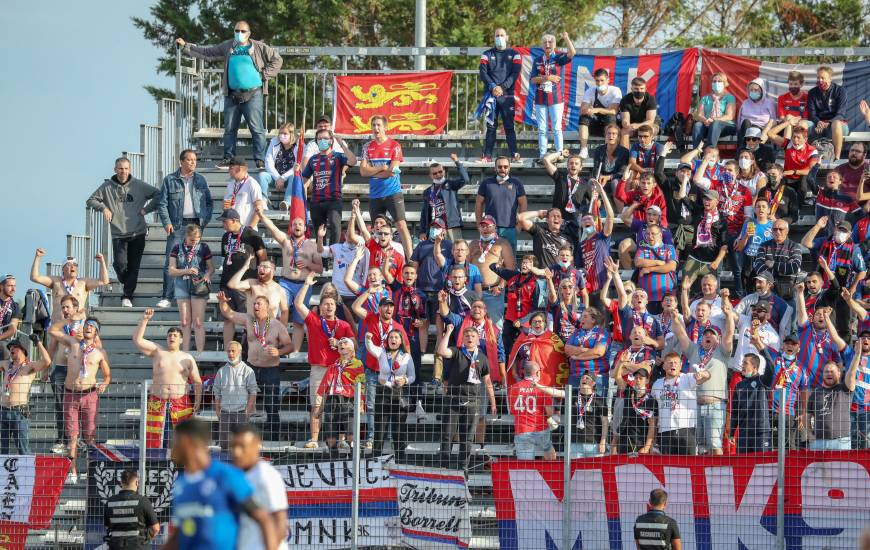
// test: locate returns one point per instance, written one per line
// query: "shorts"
(431, 305)
(696, 268)
(597, 123)
(291, 289)
(394, 205)
(337, 416)
(529, 444)
(182, 288)
(678, 442)
(237, 300)
(711, 420)
(82, 405)
(317, 374)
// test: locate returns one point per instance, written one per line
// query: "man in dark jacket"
(248, 66)
(185, 199)
(749, 407)
(129, 517)
(440, 200)
(124, 201)
(826, 104)
(682, 198)
(499, 70)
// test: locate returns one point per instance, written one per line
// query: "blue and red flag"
(298, 207)
(669, 77)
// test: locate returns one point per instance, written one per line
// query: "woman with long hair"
(396, 372)
(191, 264)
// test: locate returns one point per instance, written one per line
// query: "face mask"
(502, 178)
(439, 181)
(788, 357)
(284, 138)
(536, 332)
(794, 90)
(434, 232)
(824, 85)
(240, 37)
(744, 163)
(500, 42)
(840, 237)
(773, 179)
(603, 89)
(564, 265)
(754, 96)
(588, 230)
(718, 87)
(323, 144)
(638, 95)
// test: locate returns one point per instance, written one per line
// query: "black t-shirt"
(458, 368)
(636, 412)
(655, 530)
(8, 311)
(637, 112)
(546, 244)
(137, 516)
(235, 249)
(708, 241)
(594, 413)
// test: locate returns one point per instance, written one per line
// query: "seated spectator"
(441, 201)
(637, 425)
(324, 174)
(709, 246)
(855, 173)
(681, 201)
(646, 153)
(191, 264)
(395, 374)
(706, 165)
(834, 204)
(547, 237)
(758, 110)
(531, 407)
(714, 117)
(842, 256)
(637, 109)
(676, 394)
(337, 390)
(571, 193)
(801, 158)
(828, 407)
(656, 263)
(547, 72)
(598, 108)
(610, 159)
(782, 257)
(243, 193)
(587, 349)
(784, 202)
(763, 153)
(749, 408)
(749, 174)
(234, 391)
(503, 197)
(791, 106)
(826, 106)
(18, 374)
(757, 229)
(280, 162)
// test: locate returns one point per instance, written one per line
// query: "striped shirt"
(589, 339)
(817, 348)
(657, 284)
(327, 171)
(789, 375)
(861, 395)
(127, 517)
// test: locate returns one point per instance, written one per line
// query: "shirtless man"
(264, 285)
(171, 370)
(300, 257)
(69, 283)
(491, 249)
(267, 342)
(17, 376)
(74, 319)
(81, 391)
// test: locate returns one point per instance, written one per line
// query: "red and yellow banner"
(414, 103)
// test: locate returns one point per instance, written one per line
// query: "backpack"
(679, 128)
(36, 309)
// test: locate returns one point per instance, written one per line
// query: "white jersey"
(270, 495)
(342, 256)
(678, 402)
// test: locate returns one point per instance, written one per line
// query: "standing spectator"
(763, 153)
(327, 168)
(280, 161)
(842, 256)
(566, 310)
(757, 230)
(826, 106)
(209, 496)
(587, 349)
(657, 265)
(248, 66)
(784, 202)
(855, 171)
(459, 256)
(709, 246)
(467, 370)
(782, 257)
(828, 408)
(714, 117)
(547, 237)
(749, 407)
(68, 284)
(591, 423)
(185, 199)
(269, 491)
(190, 263)
(411, 313)
(342, 254)
(594, 246)
(531, 407)
(655, 530)
(532, 345)
(860, 410)
(237, 245)
(779, 312)
(395, 374)
(234, 391)
(754, 323)
(637, 109)
(801, 158)
(433, 263)
(834, 204)
(571, 194)
(488, 250)
(710, 295)
(489, 336)
(503, 197)
(610, 158)
(18, 374)
(336, 392)
(819, 341)
(243, 193)
(681, 202)
(547, 75)
(263, 285)
(598, 108)
(735, 203)
(792, 106)
(324, 122)
(380, 163)
(124, 201)
(523, 295)
(636, 429)
(759, 110)
(129, 518)
(676, 395)
(645, 194)
(500, 70)
(74, 320)
(440, 200)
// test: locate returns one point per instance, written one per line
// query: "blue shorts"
(529, 444)
(292, 288)
(182, 288)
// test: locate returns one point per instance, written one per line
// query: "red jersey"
(319, 332)
(798, 159)
(378, 257)
(733, 199)
(378, 330)
(656, 198)
(527, 405)
(788, 105)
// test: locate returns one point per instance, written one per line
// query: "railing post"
(780, 470)
(420, 34)
(143, 416)
(354, 505)
(567, 404)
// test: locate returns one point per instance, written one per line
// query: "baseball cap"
(488, 219)
(6, 278)
(655, 209)
(230, 214)
(761, 304)
(864, 333)
(844, 226)
(766, 275)
(641, 372)
(711, 194)
(324, 118)
(71, 260)
(753, 132)
(714, 329)
(387, 300)
(238, 161)
(684, 166)
(16, 344)
(793, 337)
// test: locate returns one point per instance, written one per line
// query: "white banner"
(433, 507)
(17, 478)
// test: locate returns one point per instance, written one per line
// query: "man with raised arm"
(492, 249)
(300, 257)
(171, 370)
(264, 285)
(268, 340)
(69, 283)
(17, 375)
(81, 390)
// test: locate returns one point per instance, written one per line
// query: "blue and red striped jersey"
(326, 171)
(817, 348)
(789, 375)
(589, 339)
(657, 285)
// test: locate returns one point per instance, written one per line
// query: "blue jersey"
(206, 507)
(861, 395)
(327, 171)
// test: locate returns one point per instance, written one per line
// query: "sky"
(72, 99)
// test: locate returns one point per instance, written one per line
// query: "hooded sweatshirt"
(127, 202)
(758, 113)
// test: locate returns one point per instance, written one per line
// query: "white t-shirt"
(717, 318)
(612, 97)
(269, 494)
(189, 212)
(246, 194)
(678, 402)
(343, 255)
(744, 345)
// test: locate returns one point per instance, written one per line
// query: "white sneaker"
(369, 445)
(71, 479)
(164, 303)
(343, 445)
(59, 449)
(126, 303)
(584, 153)
(420, 412)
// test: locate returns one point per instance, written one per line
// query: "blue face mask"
(754, 96)
(323, 144)
(239, 36)
(718, 87)
(500, 42)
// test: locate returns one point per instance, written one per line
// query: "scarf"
(10, 376)
(260, 335)
(487, 333)
(473, 373)
(704, 236)
(69, 288)
(582, 407)
(85, 350)
(637, 405)
(464, 306)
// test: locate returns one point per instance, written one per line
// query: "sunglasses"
(753, 139)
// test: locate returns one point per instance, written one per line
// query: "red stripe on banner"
(435, 537)
(685, 81)
(605, 62)
(50, 476)
(521, 88)
(342, 496)
(648, 64)
(423, 475)
(12, 535)
(739, 70)
(109, 454)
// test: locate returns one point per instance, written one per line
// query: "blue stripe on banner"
(343, 510)
(507, 531)
(529, 107)
(581, 75)
(666, 90)
(856, 81)
(624, 64)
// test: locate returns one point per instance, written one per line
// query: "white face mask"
(840, 237)
(565, 265)
(439, 181)
(718, 87)
(500, 42)
(536, 332)
(284, 138)
(603, 88)
(744, 163)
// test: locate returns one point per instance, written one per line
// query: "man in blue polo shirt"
(502, 197)
(209, 496)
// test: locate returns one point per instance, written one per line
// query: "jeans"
(553, 113)
(584, 450)
(58, 376)
(391, 418)
(463, 410)
(711, 419)
(840, 444)
(174, 238)
(510, 234)
(860, 430)
(504, 108)
(736, 258)
(326, 213)
(252, 110)
(711, 134)
(265, 179)
(14, 432)
(268, 381)
(371, 396)
(127, 252)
